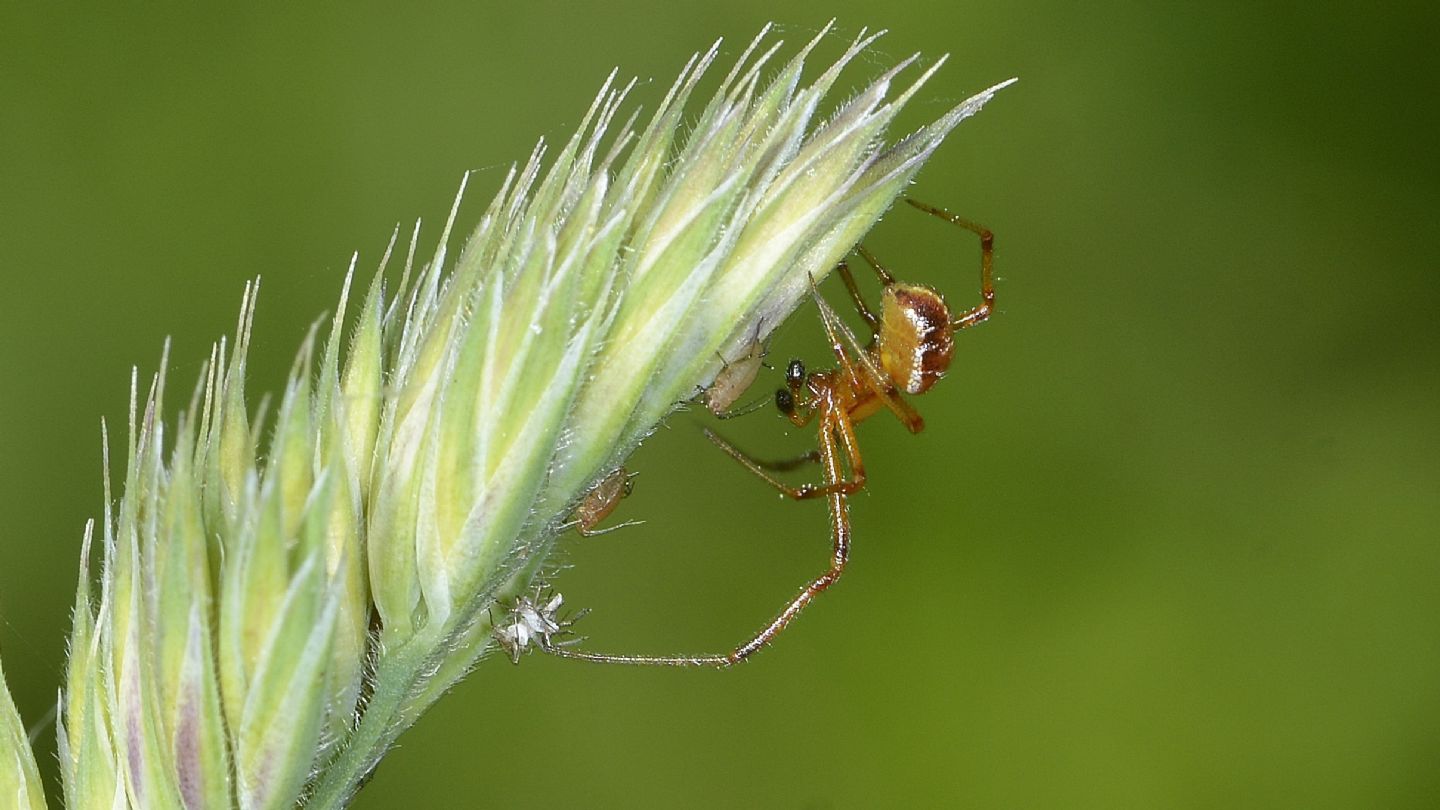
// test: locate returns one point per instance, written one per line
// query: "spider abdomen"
(916, 338)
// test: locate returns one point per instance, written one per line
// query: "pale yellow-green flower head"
(19, 778)
(281, 595)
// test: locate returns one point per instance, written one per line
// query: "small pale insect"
(600, 501)
(534, 621)
(733, 380)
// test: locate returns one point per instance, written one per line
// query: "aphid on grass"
(600, 501)
(909, 350)
(534, 621)
(734, 379)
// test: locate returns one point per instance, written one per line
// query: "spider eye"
(795, 373)
(785, 401)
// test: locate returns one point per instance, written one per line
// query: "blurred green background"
(1171, 539)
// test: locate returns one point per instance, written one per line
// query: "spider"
(909, 351)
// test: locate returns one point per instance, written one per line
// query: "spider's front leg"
(839, 484)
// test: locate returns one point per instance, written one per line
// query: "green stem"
(386, 716)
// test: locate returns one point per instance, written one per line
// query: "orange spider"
(909, 350)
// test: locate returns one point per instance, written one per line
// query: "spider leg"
(840, 536)
(980, 312)
(904, 411)
(834, 329)
(843, 268)
(805, 491)
(779, 465)
(886, 278)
